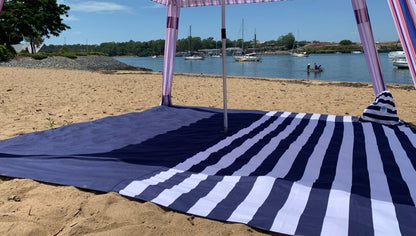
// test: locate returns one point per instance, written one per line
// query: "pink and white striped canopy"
(197, 3)
(404, 16)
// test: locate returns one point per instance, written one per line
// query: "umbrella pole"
(224, 78)
(369, 46)
(172, 23)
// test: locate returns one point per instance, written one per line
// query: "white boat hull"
(400, 62)
(304, 54)
(193, 58)
(396, 54)
(252, 57)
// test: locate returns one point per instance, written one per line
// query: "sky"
(95, 22)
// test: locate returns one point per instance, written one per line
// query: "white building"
(26, 47)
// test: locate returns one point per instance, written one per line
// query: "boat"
(191, 55)
(216, 53)
(249, 57)
(400, 62)
(315, 68)
(398, 59)
(394, 54)
(299, 54)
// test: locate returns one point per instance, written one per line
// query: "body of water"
(337, 67)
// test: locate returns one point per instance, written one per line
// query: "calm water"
(338, 67)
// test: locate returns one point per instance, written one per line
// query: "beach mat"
(293, 173)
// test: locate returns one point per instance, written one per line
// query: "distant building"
(26, 47)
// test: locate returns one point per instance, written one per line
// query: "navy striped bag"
(382, 110)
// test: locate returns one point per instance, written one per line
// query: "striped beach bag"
(382, 110)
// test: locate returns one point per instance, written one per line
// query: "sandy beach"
(40, 99)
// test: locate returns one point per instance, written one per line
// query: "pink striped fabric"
(197, 3)
(171, 37)
(369, 46)
(1, 4)
(404, 15)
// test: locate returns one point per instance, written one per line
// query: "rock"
(79, 63)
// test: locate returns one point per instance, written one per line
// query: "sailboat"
(249, 57)
(191, 55)
(216, 54)
(297, 52)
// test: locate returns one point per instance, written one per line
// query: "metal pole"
(224, 54)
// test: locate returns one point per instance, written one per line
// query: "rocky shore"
(79, 63)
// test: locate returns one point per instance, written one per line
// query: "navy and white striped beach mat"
(293, 173)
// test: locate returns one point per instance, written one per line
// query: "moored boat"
(400, 62)
(299, 54)
(394, 54)
(250, 57)
(193, 57)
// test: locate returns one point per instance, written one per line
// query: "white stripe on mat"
(138, 186)
(230, 157)
(403, 161)
(206, 204)
(287, 219)
(285, 162)
(253, 201)
(258, 159)
(409, 134)
(337, 213)
(168, 196)
(381, 203)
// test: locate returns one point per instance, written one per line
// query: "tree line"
(156, 47)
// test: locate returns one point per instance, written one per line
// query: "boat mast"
(242, 36)
(190, 40)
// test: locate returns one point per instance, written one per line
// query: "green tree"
(287, 41)
(345, 42)
(32, 20)
(209, 43)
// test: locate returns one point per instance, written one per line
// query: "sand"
(39, 99)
